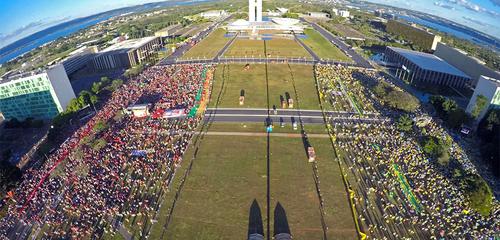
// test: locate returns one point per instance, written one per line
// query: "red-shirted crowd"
(83, 187)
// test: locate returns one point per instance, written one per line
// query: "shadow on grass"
(255, 225)
(281, 227)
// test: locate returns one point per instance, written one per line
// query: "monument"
(255, 10)
(256, 23)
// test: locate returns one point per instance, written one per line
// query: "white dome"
(240, 22)
(285, 21)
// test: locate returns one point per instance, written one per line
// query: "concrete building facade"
(213, 14)
(423, 69)
(318, 15)
(168, 31)
(40, 95)
(255, 10)
(421, 37)
(79, 59)
(127, 54)
(459, 59)
(344, 13)
(489, 88)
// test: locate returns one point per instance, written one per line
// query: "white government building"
(40, 94)
(489, 88)
(256, 23)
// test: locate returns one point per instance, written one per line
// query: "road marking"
(259, 115)
(263, 134)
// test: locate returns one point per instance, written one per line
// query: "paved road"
(257, 60)
(286, 116)
(224, 49)
(284, 112)
(179, 52)
(174, 58)
(308, 49)
(360, 61)
(263, 134)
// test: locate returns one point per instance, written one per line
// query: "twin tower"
(255, 10)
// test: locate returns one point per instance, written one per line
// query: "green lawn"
(253, 82)
(286, 48)
(275, 48)
(246, 48)
(322, 47)
(208, 47)
(260, 128)
(228, 174)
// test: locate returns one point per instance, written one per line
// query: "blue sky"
(20, 18)
(483, 15)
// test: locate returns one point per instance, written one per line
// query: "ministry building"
(127, 54)
(424, 69)
(40, 95)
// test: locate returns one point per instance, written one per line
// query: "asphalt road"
(224, 49)
(308, 49)
(172, 59)
(285, 115)
(257, 60)
(360, 61)
(284, 112)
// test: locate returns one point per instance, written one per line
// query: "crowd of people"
(399, 191)
(83, 188)
(344, 91)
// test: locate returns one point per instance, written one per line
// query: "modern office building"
(344, 13)
(214, 14)
(78, 59)
(469, 65)
(40, 95)
(284, 25)
(318, 15)
(255, 10)
(424, 69)
(127, 53)
(254, 24)
(168, 31)
(489, 88)
(421, 37)
(335, 11)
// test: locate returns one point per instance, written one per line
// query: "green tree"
(456, 118)
(380, 90)
(9, 177)
(405, 123)
(436, 149)
(98, 144)
(489, 133)
(85, 98)
(94, 99)
(479, 194)
(480, 105)
(116, 84)
(437, 102)
(402, 101)
(105, 81)
(74, 105)
(492, 119)
(431, 147)
(449, 105)
(96, 87)
(100, 126)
